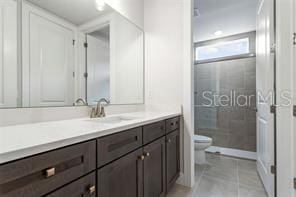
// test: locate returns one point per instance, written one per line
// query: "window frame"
(252, 47)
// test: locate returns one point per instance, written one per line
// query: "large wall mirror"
(72, 51)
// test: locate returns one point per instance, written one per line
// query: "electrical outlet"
(150, 95)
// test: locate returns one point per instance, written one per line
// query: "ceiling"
(102, 33)
(229, 16)
(77, 12)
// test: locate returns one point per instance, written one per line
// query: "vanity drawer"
(172, 124)
(153, 131)
(114, 146)
(85, 187)
(43, 173)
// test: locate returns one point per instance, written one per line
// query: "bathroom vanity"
(77, 53)
(136, 157)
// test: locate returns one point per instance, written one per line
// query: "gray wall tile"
(231, 126)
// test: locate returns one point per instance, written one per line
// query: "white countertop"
(25, 140)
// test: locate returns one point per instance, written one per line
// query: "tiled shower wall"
(230, 125)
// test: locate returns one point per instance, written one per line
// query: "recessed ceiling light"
(100, 5)
(218, 33)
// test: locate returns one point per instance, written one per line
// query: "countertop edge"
(43, 148)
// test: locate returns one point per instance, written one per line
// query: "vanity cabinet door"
(84, 187)
(41, 174)
(172, 158)
(154, 169)
(123, 177)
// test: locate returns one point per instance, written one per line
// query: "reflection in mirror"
(115, 61)
(98, 64)
(73, 52)
(8, 54)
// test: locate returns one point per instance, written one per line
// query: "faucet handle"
(93, 112)
(102, 112)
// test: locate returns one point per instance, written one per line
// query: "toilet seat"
(202, 139)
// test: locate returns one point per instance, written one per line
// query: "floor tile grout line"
(237, 169)
(238, 192)
(199, 180)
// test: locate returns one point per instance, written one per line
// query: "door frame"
(284, 71)
(187, 138)
(266, 8)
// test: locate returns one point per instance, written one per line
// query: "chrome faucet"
(99, 111)
(80, 101)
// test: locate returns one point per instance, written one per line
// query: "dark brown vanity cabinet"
(43, 173)
(84, 187)
(172, 158)
(151, 170)
(123, 177)
(140, 162)
(154, 169)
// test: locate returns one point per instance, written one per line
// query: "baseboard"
(181, 179)
(233, 152)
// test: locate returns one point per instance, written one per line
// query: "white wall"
(169, 68)
(132, 9)
(163, 55)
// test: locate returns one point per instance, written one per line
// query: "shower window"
(224, 49)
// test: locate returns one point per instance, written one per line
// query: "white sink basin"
(113, 119)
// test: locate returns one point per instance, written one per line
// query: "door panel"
(8, 54)
(265, 89)
(172, 158)
(84, 187)
(154, 169)
(123, 177)
(51, 63)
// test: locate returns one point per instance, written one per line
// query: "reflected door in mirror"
(51, 63)
(8, 54)
(98, 60)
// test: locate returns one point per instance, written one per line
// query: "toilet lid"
(202, 139)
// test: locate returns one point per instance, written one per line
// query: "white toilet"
(201, 143)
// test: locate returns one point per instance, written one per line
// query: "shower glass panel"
(225, 94)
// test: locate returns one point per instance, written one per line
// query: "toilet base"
(200, 157)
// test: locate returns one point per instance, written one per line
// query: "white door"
(51, 55)
(98, 68)
(8, 54)
(294, 122)
(265, 87)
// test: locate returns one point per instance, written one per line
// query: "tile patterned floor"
(223, 177)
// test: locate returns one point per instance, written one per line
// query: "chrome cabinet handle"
(147, 154)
